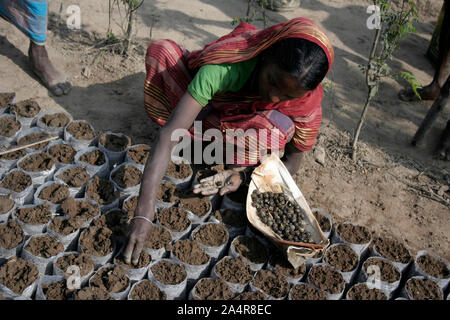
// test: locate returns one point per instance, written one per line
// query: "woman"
(248, 79)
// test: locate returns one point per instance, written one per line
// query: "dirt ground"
(393, 188)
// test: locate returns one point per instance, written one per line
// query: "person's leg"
(30, 16)
(431, 91)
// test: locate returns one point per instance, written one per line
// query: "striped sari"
(30, 16)
(170, 68)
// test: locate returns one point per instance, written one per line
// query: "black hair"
(300, 58)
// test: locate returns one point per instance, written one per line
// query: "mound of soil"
(147, 290)
(251, 296)
(82, 260)
(388, 272)
(92, 293)
(64, 226)
(37, 162)
(34, 137)
(178, 171)
(44, 246)
(63, 153)
(342, 257)
(231, 218)
(75, 177)
(353, 233)
(17, 274)
(271, 283)
(423, 289)
(114, 142)
(139, 154)
(13, 155)
(11, 234)
(211, 234)
(392, 249)
(198, 205)
(9, 126)
(34, 215)
(144, 261)
(433, 266)
(16, 181)
(174, 219)
(234, 270)
(168, 192)
(130, 205)
(26, 109)
(282, 266)
(113, 279)
(250, 248)
(79, 209)
(55, 193)
(55, 120)
(57, 291)
(101, 191)
(168, 272)
(323, 221)
(80, 130)
(212, 289)
(190, 252)
(127, 176)
(97, 241)
(304, 291)
(158, 238)
(95, 157)
(362, 292)
(6, 99)
(6, 203)
(326, 278)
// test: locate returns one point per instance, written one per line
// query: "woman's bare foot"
(54, 80)
(429, 92)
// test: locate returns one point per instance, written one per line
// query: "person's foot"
(430, 92)
(41, 65)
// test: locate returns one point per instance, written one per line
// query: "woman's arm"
(182, 117)
(293, 158)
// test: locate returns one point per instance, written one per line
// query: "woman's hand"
(139, 234)
(223, 182)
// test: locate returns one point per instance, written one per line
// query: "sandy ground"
(379, 190)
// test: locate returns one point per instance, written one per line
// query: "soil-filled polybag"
(162, 295)
(125, 192)
(70, 240)
(116, 295)
(173, 291)
(44, 265)
(26, 122)
(236, 288)
(182, 183)
(349, 276)
(234, 253)
(77, 144)
(194, 272)
(5, 215)
(362, 249)
(374, 277)
(38, 177)
(26, 294)
(6, 253)
(417, 270)
(404, 293)
(318, 294)
(59, 164)
(161, 252)
(37, 147)
(10, 100)
(330, 295)
(272, 176)
(74, 192)
(178, 235)
(215, 252)
(8, 139)
(115, 157)
(292, 280)
(161, 204)
(53, 128)
(32, 229)
(98, 260)
(20, 198)
(327, 216)
(73, 270)
(9, 161)
(140, 163)
(44, 280)
(219, 285)
(254, 287)
(101, 171)
(233, 231)
(195, 219)
(403, 267)
(134, 274)
(103, 207)
(370, 286)
(37, 200)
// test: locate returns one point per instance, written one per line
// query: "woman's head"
(290, 68)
